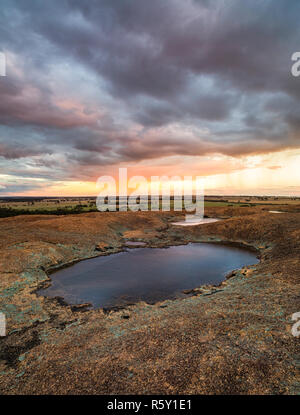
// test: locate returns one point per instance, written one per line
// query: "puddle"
(134, 243)
(148, 274)
(195, 222)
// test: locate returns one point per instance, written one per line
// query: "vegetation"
(8, 212)
(10, 206)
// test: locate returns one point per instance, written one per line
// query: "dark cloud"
(25, 101)
(104, 82)
(16, 151)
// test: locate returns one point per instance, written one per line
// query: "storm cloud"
(98, 83)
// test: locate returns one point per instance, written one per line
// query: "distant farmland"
(10, 206)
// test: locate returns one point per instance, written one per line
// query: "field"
(72, 205)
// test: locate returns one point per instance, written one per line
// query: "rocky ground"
(231, 339)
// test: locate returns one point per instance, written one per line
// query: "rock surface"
(231, 339)
(102, 247)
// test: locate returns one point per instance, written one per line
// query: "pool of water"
(134, 243)
(194, 222)
(148, 274)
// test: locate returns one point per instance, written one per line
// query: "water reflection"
(148, 274)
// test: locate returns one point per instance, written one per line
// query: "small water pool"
(148, 274)
(134, 243)
(194, 222)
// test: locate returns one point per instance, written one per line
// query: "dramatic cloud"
(98, 83)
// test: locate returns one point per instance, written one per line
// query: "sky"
(162, 87)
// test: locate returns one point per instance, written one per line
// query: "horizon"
(149, 196)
